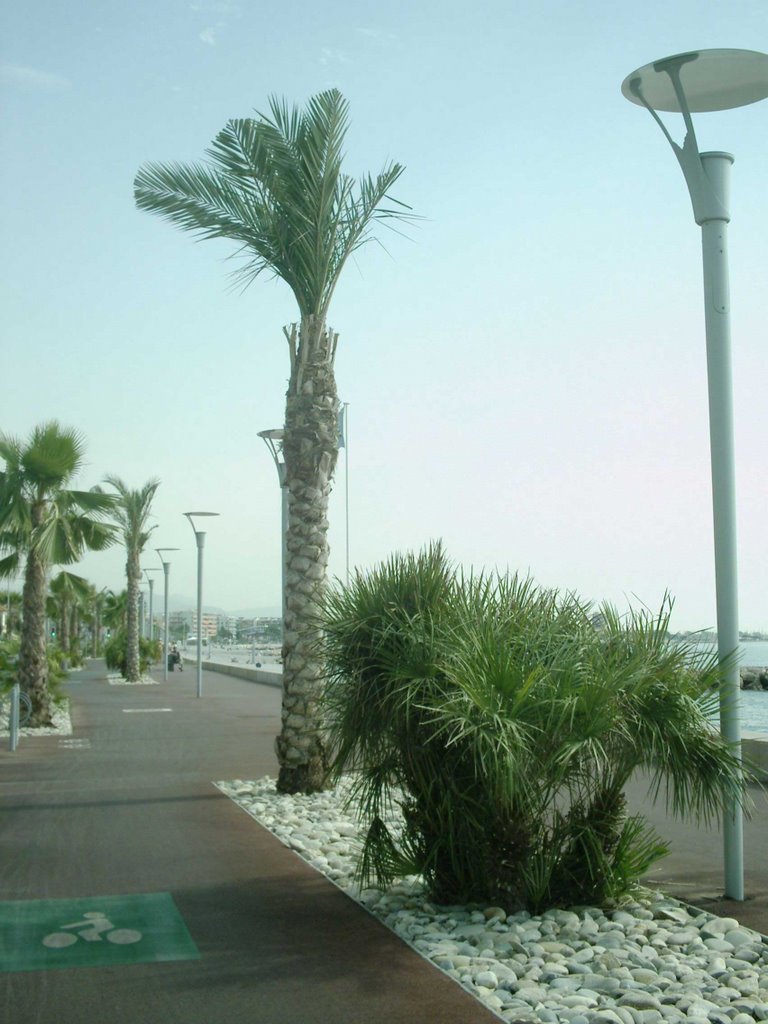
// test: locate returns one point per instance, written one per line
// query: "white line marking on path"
(136, 711)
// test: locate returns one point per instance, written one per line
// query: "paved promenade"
(123, 818)
(134, 812)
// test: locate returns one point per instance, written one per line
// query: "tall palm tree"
(49, 524)
(132, 511)
(275, 187)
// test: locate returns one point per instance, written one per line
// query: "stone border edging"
(754, 746)
(253, 675)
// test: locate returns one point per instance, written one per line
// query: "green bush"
(504, 721)
(75, 654)
(116, 652)
(9, 656)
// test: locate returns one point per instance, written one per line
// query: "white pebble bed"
(115, 679)
(62, 724)
(652, 961)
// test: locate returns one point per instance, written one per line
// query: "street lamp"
(274, 441)
(151, 583)
(700, 81)
(200, 541)
(166, 571)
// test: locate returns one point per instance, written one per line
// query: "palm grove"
(275, 187)
(46, 522)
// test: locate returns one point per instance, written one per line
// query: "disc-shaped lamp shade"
(711, 80)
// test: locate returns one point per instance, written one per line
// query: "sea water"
(753, 653)
(754, 703)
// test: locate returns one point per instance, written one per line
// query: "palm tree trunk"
(132, 621)
(64, 626)
(74, 636)
(33, 656)
(96, 638)
(310, 448)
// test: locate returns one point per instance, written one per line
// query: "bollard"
(13, 722)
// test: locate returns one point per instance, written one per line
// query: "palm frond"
(276, 187)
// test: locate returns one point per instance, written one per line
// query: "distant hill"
(183, 603)
(257, 613)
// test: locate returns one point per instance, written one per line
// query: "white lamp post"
(274, 441)
(166, 572)
(200, 541)
(700, 81)
(151, 583)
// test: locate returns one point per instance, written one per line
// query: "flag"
(341, 442)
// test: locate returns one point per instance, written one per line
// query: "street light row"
(200, 541)
(274, 441)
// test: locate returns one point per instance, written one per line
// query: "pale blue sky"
(526, 375)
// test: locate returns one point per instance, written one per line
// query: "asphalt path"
(132, 810)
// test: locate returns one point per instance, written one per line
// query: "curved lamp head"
(273, 439)
(189, 516)
(710, 79)
(161, 550)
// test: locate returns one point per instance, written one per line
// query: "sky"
(525, 371)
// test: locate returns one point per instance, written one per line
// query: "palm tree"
(97, 602)
(276, 188)
(49, 524)
(132, 511)
(69, 593)
(115, 614)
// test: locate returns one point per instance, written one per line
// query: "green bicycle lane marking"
(44, 935)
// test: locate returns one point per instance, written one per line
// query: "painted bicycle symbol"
(95, 928)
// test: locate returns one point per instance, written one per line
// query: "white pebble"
(651, 962)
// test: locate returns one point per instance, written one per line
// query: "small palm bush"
(504, 721)
(116, 653)
(9, 668)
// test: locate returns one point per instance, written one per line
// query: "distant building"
(184, 624)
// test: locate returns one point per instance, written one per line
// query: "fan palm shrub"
(274, 186)
(503, 721)
(116, 653)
